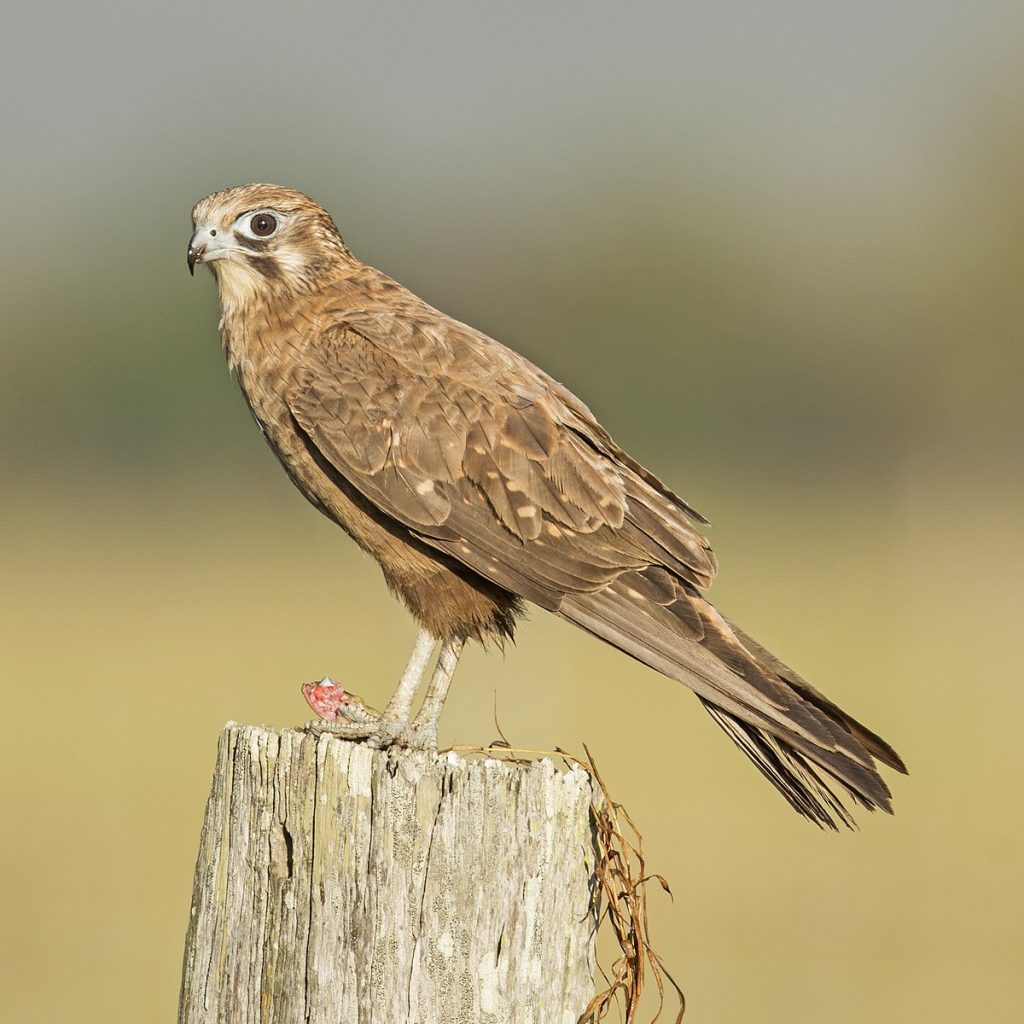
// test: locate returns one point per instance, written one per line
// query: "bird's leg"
(397, 710)
(345, 715)
(424, 726)
(351, 719)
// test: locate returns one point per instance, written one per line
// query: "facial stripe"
(254, 244)
(267, 266)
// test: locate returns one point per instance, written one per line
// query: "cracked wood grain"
(336, 883)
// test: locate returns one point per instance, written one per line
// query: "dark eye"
(263, 224)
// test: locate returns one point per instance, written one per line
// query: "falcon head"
(264, 238)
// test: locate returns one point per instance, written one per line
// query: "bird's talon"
(422, 739)
(388, 733)
(401, 734)
(342, 730)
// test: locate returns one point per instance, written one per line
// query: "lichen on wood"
(338, 883)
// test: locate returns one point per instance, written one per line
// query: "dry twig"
(620, 895)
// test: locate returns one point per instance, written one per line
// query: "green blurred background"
(775, 246)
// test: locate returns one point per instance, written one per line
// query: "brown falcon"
(478, 483)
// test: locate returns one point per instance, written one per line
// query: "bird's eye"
(263, 225)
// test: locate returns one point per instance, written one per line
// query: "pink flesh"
(325, 699)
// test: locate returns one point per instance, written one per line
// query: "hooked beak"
(204, 247)
(195, 255)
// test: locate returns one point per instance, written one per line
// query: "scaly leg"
(344, 715)
(424, 726)
(397, 709)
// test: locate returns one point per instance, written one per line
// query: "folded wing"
(489, 461)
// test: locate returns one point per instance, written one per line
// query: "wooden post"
(337, 883)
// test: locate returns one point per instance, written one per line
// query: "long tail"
(801, 742)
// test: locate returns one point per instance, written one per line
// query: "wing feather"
(497, 466)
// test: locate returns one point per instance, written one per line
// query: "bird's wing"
(470, 448)
(489, 461)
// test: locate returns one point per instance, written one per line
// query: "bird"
(480, 485)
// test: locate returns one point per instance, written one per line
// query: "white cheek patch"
(239, 284)
(290, 262)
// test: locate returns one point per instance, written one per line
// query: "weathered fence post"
(336, 883)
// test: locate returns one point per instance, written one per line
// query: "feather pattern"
(478, 481)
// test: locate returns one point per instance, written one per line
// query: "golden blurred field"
(777, 248)
(134, 635)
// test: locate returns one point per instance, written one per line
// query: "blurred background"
(775, 246)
